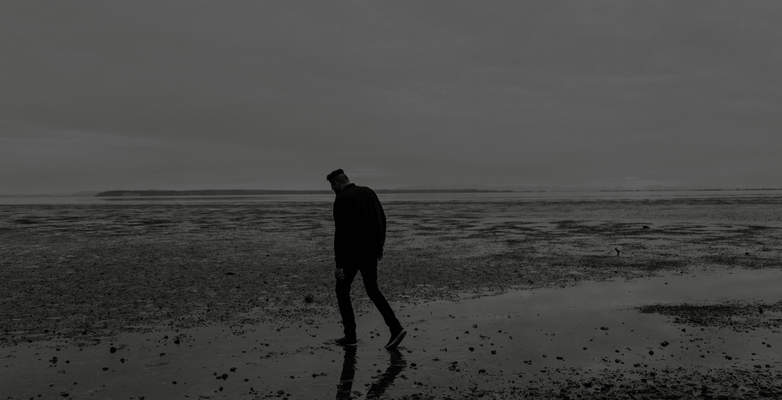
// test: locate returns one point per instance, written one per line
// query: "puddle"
(491, 342)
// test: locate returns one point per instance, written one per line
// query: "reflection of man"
(345, 387)
(395, 366)
(358, 245)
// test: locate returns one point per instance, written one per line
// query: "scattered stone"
(236, 301)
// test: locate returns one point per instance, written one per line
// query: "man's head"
(338, 180)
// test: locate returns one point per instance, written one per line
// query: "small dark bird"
(645, 227)
(309, 298)
(617, 251)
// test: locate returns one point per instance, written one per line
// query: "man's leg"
(369, 276)
(345, 306)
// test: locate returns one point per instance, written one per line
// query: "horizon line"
(174, 192)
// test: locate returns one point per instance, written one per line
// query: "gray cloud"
(99, 95)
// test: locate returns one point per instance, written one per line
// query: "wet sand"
(502, 299)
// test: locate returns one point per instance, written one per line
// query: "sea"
(402, 197)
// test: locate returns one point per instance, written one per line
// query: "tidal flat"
(586, 298)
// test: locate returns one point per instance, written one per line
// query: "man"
(358, 245)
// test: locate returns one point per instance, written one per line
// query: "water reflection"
(345, 385)
(396, 364)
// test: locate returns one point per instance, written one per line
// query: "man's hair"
(335, 175)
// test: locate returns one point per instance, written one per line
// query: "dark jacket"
(360, 225)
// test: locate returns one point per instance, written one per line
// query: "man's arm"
(338, 239)
(382, 232)
(339, 230)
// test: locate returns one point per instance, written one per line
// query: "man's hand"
(339, 274)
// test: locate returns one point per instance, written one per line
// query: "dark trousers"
(368, 270)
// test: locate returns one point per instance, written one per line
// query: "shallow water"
(488, 342)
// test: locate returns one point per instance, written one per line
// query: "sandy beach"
(548, 298)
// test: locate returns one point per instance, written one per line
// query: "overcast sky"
(101, 95)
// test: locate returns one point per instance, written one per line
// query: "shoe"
(396, 338)
(345, 341)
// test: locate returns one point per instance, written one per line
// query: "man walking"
(358, 245)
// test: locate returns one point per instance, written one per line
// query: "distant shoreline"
(240, 192)
(243, 192)
(164, 193)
